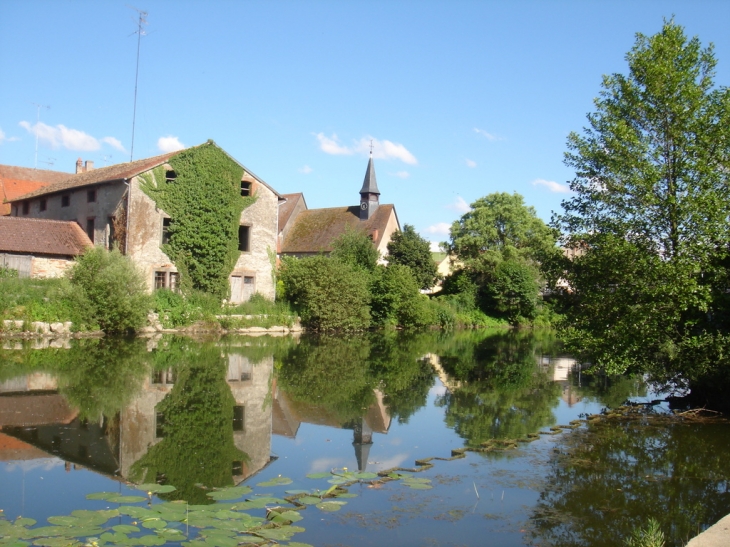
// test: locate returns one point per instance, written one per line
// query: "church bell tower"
(369, 193)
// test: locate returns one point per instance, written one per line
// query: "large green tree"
(410, 249)
(501, 242)
(649, 217)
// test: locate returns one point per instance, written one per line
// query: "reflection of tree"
(503, 393)
(609, 391)
(611, 478)
(197, 446)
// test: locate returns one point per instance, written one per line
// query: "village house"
(112, 208)
(308, 232)
(17, 181)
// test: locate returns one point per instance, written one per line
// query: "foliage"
(410, 249)
(8, 273)
(501, 243)
(174, 310)
(651, 536)
(396, 299)
(327, 293)
(114, 289)
(197, 446)
(355, 248)
(649, 216)
(204, 203)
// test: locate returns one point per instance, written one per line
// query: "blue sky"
(460, 98)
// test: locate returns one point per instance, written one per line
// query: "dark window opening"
(26, 207)
(160, 280)
(90, 228)
(170, 175)
(112, 234)
(65, 200)
(159, 425)
(56, 444)
(91, 196)
(237, 469)
(245, 188)
(238, 418)
(166, 230)
(167, 280)
(42, 205)
(244, 235)
(83, 452)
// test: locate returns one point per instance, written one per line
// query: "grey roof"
(370, 184)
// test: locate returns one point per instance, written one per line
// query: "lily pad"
(64, 521)
(365, 475)
(57, 542)
(156, 488)
(296, 492)
(319, 475)
(330, 506)
(229, 493)
(24, 521)
(48, 531)
(125, 528)
(150, 540)
(260, 503)
(418, 486)
(119, 498)
(276, 481)
(309, 500)
(154, 524)
(285, 517)
(280, 534)
(101, 495)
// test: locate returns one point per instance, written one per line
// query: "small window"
(159, 425)
(42, 205)
(91, 196)
(245, 188)
(237, 469)
(160, 280)
(238, 418)
(244, 236)
(170, 175)
(174, 281)
(90, 228)
(26, 207)
(65, 200)
(112, 234)
(166, 230)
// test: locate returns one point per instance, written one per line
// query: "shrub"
(114, 289)
(396, 299)
(355, 248)
(327, 293)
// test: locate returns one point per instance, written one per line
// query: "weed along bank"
(195, 218)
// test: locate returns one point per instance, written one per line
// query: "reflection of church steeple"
(369, 193)
(363, 440)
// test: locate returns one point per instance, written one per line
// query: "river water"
(310, 418)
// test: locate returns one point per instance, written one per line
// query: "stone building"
(308, 232)
(17, 181)
(111, 206)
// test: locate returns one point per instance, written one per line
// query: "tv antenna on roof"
(50, 161)
(106, 158)
(139, 32)
(37, 122)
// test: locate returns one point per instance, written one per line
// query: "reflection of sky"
(45, 464)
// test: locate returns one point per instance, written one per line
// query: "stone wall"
(44, 268)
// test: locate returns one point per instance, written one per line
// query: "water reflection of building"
(289, 414)
(562, 366)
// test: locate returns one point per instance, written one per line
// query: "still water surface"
(100, 415)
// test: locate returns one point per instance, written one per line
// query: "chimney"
(79, 166)
(88, 166)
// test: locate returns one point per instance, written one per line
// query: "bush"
(327, 293)
(396, 299)
(113, 289)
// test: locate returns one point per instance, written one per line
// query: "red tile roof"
(17, 181)
(314, 230)
(40, 236)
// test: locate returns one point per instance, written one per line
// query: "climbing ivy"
(204, 203)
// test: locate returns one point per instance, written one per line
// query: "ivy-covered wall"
(204, 203)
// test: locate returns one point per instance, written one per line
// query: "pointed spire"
(370, 184)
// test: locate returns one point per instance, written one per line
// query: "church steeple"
(369, 193)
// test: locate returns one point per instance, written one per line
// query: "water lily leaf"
(296, 492)
(416, 479)
(260, 503)
(85, 532)
(57, 542)
(24, 521)
(285, 517)
(118, 536)
(309, 500)
(337, 480)
(229, 493)
(418, 486)
(13, 543)
(150, 540)
(319, 475)
(330, 506)
(248, 539)
(276, 481)
(101, 495)
(48, 531)
(217, 540)
(154, 524)
(171, 534)
(137, 512)
(156, 488)
(279, 534)
(119, 498)
(64, 521)
(125, 528)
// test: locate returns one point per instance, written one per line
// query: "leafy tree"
(410, 249)
(327, 293)
(355, 248)
(501, 243)
(112, 288)
(650, 216)
(396, 299)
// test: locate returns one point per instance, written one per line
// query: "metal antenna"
(139, 32)
(106, 158)
(50, 161)
(37, 122)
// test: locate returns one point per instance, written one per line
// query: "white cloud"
(114, 143)
(306, 170)
(169, 144)
(402, 174)
(441, 228)
(332, 145)
(3, 138)
(61, 136)
(385, 149)
(434, 246)
(460, 205)
(551, 185)
(470, 163)
(488, 136)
